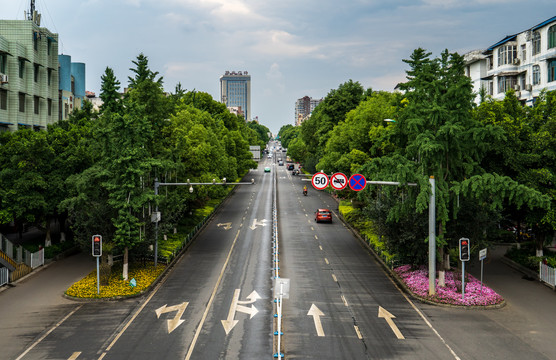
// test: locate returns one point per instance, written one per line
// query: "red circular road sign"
(357, 182)
(320, 181)
(338, 181)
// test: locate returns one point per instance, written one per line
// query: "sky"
(291, 48)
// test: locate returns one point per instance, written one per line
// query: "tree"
(109, 92)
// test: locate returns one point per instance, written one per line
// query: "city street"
(217, 301)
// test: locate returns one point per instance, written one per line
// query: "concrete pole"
(432, 238)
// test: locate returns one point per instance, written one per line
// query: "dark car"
(291, 166)
(323, 215)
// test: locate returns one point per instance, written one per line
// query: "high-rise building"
(235, 92)
(304, 107)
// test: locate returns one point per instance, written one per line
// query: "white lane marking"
(345, 301)
(326, 261)
(316, 237)
(212, 296)
(334, 277)
(320, 247)
(48, 332)
(75, 355)
(359, 336)
(424, 318)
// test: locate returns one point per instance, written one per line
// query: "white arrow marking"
(229, 323)
(226, 226)
(383, 313)
(258, 223)
(176, 321)
(315, 312)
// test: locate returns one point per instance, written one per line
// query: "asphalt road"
(217, 302)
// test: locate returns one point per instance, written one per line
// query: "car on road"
(291, 166)
(323, 215)
(267, 169)
(280, 163)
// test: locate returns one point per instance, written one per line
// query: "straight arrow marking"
(383, 313)
(315, 312)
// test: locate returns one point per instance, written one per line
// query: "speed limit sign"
(320, 181)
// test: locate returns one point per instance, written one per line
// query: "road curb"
(395, 277)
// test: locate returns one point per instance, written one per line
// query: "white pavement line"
(49, 331)
(75, 355)
(334, 277)
(424, 319)
(212, 296)
(155, 290)
(316, 237)
(326, 261)
(359, 336)
(345, 301)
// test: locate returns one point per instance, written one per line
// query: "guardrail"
(547, 274)
(277, 353)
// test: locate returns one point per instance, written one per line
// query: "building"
(28, 74)
(525, 62)
(72, 86)
(235, 91)
(304, 107)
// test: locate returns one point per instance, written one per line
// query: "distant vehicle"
(291, 166)
(323, 215)
(267, 169)
(280, 163)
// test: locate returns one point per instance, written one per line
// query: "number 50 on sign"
(320, 181)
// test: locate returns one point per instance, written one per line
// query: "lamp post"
(156, 215)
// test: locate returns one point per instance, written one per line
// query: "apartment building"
(304, 107)
(525, 62)
(38, 87)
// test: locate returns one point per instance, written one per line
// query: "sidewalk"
(34, 303)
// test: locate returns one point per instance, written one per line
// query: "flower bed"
(417, 280)
(143, 275)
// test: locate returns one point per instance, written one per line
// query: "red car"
(323, 215)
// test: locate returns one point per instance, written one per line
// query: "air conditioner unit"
(516, 61)
(528, 87)
(517, 87)
(3, 79)
(518, 94)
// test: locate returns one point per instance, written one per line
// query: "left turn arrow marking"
(176, 321)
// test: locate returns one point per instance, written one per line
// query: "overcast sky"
(291, 48)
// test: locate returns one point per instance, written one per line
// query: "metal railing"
(547, 274)
(276, 261)
(4, 276)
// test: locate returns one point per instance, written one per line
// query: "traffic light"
(97, 245)
(464, 249)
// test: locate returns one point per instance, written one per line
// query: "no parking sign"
(357, 182)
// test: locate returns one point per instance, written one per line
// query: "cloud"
(281, 43)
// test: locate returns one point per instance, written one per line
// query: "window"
(35, 41)
(21, 102)
(524, 53)
(536, 42)
(48, 46)
(552, 70)
(36, 73)
(49, 75)
(49, 104)
(552, 37)
(506, 54)
(3, 62)
(21, 68)
(36, 103)
(506, 83)
(3, 100)
(536, 74)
